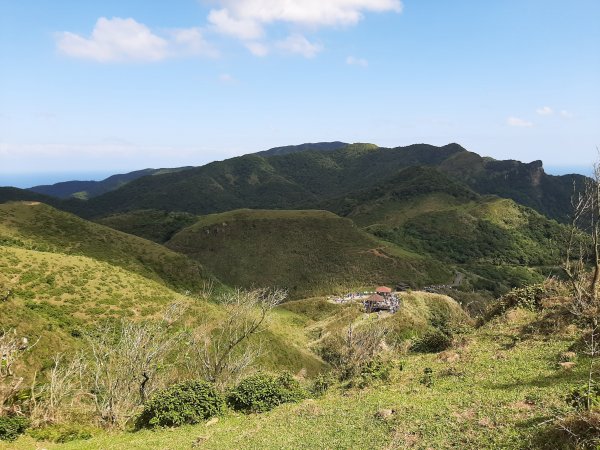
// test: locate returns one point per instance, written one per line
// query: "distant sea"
(27, 180)
(564, 170)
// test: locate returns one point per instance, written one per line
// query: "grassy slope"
(430, 214)
(306, 252)
(493, 396)
(40, 227)
(56, 297)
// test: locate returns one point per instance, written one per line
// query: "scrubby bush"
(578, 430)
(321, 384)
(262, 392)
(61, 433)
(377, 369)
(528, 297)
(432, 341)
(585, 397)
(349, 351)
(11, 427)
(183, 403)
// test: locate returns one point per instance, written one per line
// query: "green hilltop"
(37, 226)
(304, 252)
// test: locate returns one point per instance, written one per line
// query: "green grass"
(495, 395)
(306, 252)
(37, 226)
(56, 297)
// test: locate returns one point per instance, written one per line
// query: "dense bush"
(262, 392)
(11, 427)
(432, 341)
(528, 297)
(61, 433)
(183, 403)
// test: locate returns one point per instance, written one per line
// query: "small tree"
(221, 353)
(351, 351)
(126, 358)
(583, 254)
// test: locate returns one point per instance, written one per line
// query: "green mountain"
(304, 179)
(496, 241)
(320, 146)
(306, 252)
(88, 189)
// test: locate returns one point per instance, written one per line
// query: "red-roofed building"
(375, 303)
(383, 290)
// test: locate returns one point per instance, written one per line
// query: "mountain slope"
(37, 226)
(89, 189)
(305, 252)
(428, 212)
(305, 179)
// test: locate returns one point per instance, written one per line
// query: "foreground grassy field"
(495, 390)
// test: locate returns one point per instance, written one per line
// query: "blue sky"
(111, 86)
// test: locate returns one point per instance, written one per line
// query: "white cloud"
(257, 48)
(307, 12)
(247, 19)
(119, 39)
(241, 28)
(516, 122)
(566, 114)
(296, 43)
(545, 111)
(352, 61)
(190, 41)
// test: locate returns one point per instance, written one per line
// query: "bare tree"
(12, 348)
(350, 350)
(582, 267)
(221, 352)
(52, 402)
(583, 247)
(125, 361)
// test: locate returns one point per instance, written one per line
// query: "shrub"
(584, 398)
(433, 341)
(321, 384)
(528, 297)
(578, 430)
(183, 403)
(262, 392)
(11, 427)
(376, 369)
(61, 433)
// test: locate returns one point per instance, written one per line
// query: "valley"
(312, 222)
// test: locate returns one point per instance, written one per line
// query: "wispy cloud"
(545, 111)
(352, 61)
(227, 78)
(118, 39)
(297, 43)
(257, 48)
(517, 122)
(566, 114)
